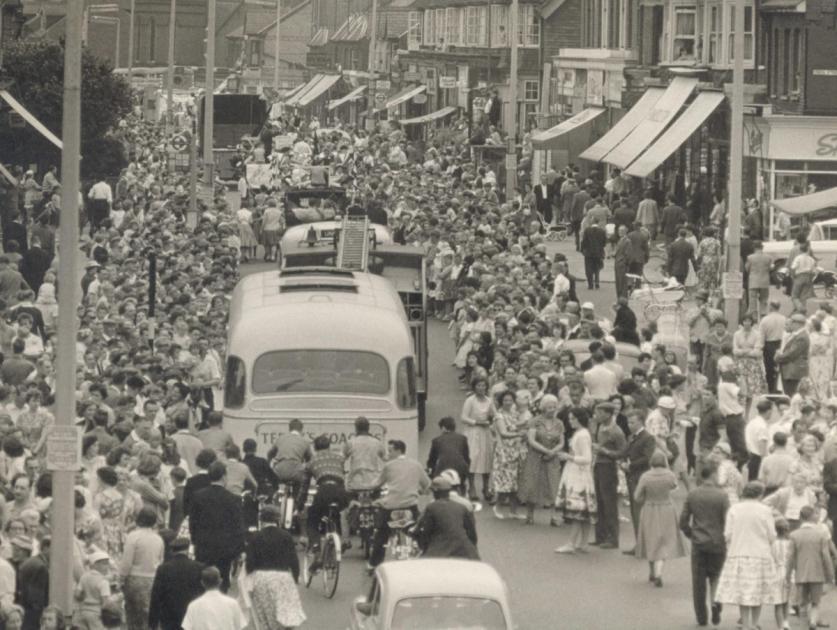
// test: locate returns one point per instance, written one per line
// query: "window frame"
(453, 26)
(714, 33)
(232, 363)
(429, 33)
(527, 83)
(408, 363)
(415, 29)
(729, 22)
(672, 35)
(528, 27)
(439, 27)
(499, 17)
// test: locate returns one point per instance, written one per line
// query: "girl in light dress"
(781, 551)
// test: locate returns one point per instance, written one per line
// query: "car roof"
(424, 577)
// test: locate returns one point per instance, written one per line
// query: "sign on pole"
(64, 448)
(180, 142)
(733, 285)
(383, 84)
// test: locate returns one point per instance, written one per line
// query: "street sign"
(447, 82)
(180, 142)
(383, 84)
(733, 285)
(64, 449)
(380, 97)
(412, 76)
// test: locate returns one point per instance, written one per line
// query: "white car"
(823, 240)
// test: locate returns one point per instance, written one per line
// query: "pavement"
(601, 590)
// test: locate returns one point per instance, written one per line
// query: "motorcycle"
(825, 281)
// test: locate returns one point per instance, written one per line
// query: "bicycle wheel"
(331, 566)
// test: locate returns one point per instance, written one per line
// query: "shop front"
(790, 156)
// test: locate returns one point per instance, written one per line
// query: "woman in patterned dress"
(748, 578)
(33, 422)
(110, 505)
(509, 451)
(820, 360)
(477, 415)
(708, 256)
(747, 348)
(576, 492)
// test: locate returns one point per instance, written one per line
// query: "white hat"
(666, 402)
(97, 556)
(588, 305)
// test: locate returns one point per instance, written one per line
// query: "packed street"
(494, 333)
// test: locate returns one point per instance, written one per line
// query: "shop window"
(529, 26)
(749, 40)
(786, 69)
(454, 26)
(684, 33)
(499, 26)
(255, 53)
(414, 29)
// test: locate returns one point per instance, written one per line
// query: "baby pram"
(556, 232)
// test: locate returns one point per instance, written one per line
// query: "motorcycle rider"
(447, 528)
(405, 479)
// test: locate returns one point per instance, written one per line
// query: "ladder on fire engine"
(353, 247)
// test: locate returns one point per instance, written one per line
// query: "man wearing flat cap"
(793, 356)
(176, 583)
(447, 528)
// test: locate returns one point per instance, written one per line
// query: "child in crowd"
(809, 563)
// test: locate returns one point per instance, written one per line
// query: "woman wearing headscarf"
(749, 575)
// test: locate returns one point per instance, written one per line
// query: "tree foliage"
(37, 68)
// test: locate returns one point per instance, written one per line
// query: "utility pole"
(63, 509)
(170, 87)
(373, 36)
(209, 98)
(191, 218)
(276, 45)
(131, 41)
(736, 147)
(511, 114)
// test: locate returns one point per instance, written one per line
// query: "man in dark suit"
(640, 250)
(543, 199)
(702, 520)
(449, 450)
(447, 529)
(593, 243)
(34, 264)
(216, 524)
(637, 455)
(493, 108)
(272, 548)
(200, 479)
(674, 217)
(176, 583)
(793, 357)
(621, 265)
(577, 211)
(680, 255)
(758, 267)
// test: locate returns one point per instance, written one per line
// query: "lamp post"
(373, 35)
(170, 83)
(209, 93)
(736, 147)
(131, 41)
(63, 508)
(276, 46)
(511, 114)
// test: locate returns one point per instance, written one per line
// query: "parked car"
(433, 594)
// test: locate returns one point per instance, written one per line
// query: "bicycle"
(326, 560)
(362, 517)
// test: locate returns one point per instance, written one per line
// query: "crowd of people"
(161, 477)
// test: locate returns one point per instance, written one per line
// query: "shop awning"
(403, 96)
(658, 118)
(28, 117)
(549, 139)
(624, 126)
(9, 177)
(318, 90)
(439, 113)
(293, 92)
(351, 96)
(805, 204)
(704, 104)
(783, 6)
(293, 99)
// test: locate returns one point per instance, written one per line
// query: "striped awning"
(439, 113)
(351, 96)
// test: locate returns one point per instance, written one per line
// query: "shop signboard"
(446, 82)
(807, 138)
(733, 285)
(412, 76)
(383, 84)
